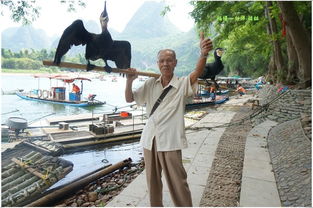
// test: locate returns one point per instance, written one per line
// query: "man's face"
(166, 63)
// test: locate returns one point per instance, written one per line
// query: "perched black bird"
(213, 69)
(98, 46)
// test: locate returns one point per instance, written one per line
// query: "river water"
(11, 105)
(87, 160)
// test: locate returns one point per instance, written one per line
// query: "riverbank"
(231, 149)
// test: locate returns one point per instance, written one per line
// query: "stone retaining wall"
(290, 105)
(290, 152)
(286, 106)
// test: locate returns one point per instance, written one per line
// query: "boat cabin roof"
(64, 78)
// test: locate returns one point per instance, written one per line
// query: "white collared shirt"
(167, 123)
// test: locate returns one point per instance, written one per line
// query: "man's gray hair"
(169, 50)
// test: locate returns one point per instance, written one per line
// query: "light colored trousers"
(176, 177)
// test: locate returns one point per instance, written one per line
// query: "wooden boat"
(63, 102)
(203, 97)
(57, 95)
(204, 102)
(205, 93)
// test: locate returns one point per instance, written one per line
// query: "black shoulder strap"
(159, 100)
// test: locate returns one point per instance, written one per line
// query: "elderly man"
(163, 136)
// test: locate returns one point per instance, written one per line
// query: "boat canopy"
(50, 76)
(69, 79)
(64, 78)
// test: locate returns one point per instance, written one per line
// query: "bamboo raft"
(46, 147)
(55, 195)
(25, 178)
(98, 68)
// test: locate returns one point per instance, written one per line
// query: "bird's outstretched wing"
(75, 34)
(120, 53)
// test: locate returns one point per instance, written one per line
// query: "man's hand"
(206, 45)
(129, 97)
(131, 77)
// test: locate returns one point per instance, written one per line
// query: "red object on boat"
(124, 114)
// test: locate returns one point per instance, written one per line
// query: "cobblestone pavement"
(224, 181)
(290, 152)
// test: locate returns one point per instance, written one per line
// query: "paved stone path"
(224, 181)
(258, 188)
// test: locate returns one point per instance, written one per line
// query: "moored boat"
(58, 95)
(206, 93)
(204, 102)
(84, 103)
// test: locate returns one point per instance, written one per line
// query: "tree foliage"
(239, 28)
(242, 29)
(24, 59)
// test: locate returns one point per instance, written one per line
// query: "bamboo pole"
(51, 197)
(98, 68)
(31, 170)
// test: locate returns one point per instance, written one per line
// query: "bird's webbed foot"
(107, 68)
(90, 66)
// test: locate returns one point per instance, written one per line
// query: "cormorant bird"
(213, 69)
(98, 46)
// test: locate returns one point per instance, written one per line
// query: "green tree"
(300, 39)
(6, 53)
(251, 33)
(237, 27)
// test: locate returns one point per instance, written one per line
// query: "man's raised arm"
(129, 84)
(206, 45)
